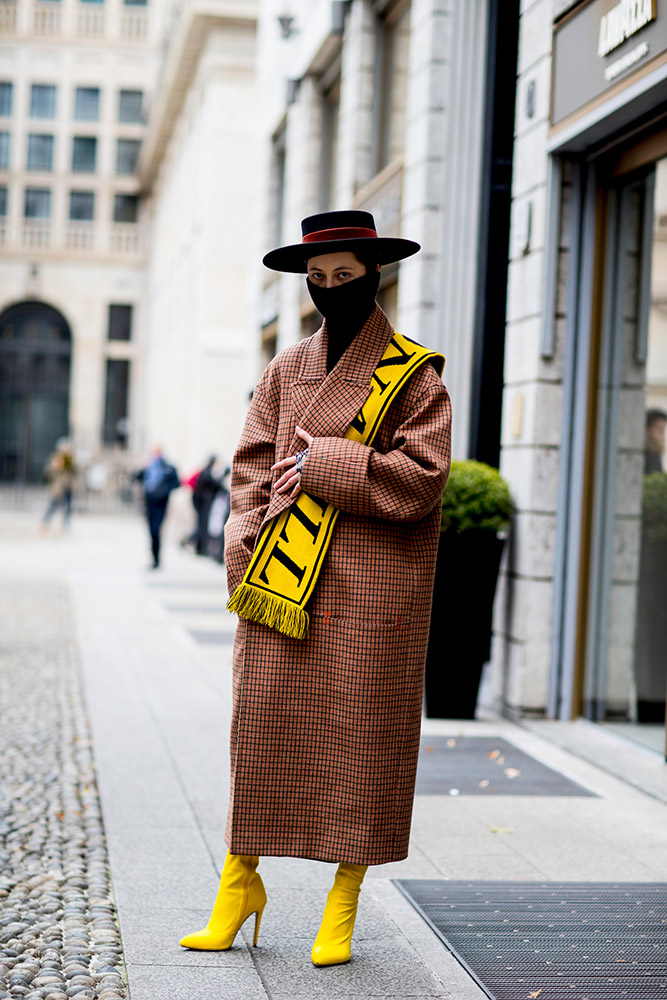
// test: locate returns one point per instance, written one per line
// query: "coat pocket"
(237, 553)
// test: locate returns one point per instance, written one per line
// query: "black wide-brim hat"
(332, 232)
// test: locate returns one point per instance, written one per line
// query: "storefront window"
(329, 149)
(650, 653)
(627, 663)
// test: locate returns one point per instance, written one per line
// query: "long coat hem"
(256, 848)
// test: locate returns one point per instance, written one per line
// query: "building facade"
(384, 105)
(580, 625)
(75, 88)
(199, 181)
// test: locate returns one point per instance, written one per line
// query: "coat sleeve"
(251, 478)
(404, 483)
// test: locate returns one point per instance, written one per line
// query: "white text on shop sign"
(622, 21)
(625, 62)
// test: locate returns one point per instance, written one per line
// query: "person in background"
(158, 479)
(218, 516)
(203, 495)
(191, 537)
(60, 472)
(654, 446)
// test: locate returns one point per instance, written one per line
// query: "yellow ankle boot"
(241, 893)
(333, 942)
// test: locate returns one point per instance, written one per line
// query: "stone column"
(532, 402)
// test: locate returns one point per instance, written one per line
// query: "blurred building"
(76, 80)
(581, 620)
(127, 200)
(199, 182)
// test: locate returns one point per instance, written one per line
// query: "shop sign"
(602, 43)
(623, 21)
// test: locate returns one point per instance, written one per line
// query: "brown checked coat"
(325, 730)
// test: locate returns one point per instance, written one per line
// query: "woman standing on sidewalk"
(336, 488)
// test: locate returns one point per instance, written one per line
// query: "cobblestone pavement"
(59, 934)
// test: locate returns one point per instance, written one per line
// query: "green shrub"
(654, 507)
(476, 498)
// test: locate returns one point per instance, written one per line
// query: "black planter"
(461, 619)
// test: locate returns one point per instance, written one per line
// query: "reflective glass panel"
(82, 206)
(5, 145)
(6, 93)
(127, 154)
(40, 152)
(87, 104)
(84, 154)
(42, 101)
(37, 203)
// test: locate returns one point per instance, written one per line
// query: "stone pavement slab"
(159, 705)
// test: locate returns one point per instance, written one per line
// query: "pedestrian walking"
(203, 495)
(191, 537)
(330, 551)
(159, 479)
(60, 471)
(218, 517)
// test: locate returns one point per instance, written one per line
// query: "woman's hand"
(290, 481)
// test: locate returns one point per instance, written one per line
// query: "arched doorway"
(35, 353)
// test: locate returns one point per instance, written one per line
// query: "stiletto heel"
(241, 894)
(333, 943)
(258, 920)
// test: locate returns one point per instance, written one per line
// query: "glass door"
(625, 684)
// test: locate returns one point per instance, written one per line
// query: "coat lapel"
(335, 399)
(325, 405)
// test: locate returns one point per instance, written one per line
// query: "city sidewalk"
(155, 653)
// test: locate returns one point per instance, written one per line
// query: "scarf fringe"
(267, 609)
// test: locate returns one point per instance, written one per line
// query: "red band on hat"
(340, 234)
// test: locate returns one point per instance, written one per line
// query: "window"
(5, 143)
(40, 152)
(127, 154)
(115, 402)
(277, 190)
(87, 104)
(135, 3)
(120, 323)
(6, 93)
(125, 207)
(92, 1)
(37, 203)
(330, 145)
(84, 154)
(130, 104)
(391, 93)
(42, 101)
(3, 199)
(82, 206)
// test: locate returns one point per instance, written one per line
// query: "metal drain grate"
(551, 941)
(486, 765)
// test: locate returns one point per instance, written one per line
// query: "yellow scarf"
(288, 557)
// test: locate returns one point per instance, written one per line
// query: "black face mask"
(345, 308)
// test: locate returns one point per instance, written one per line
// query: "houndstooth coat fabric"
(325, 731)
